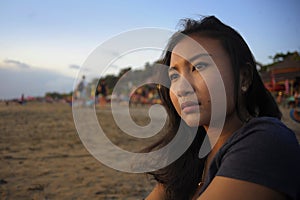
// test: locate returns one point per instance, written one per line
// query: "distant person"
(102, 93)
(22, 100)
(81, 86)
(81, 93)
(297, 98)
(256, 156)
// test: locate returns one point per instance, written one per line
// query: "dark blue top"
(264, 151)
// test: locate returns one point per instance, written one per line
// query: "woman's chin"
(191, 121)
(194, 120)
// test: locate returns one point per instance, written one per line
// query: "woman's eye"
(173, 76)
(200, 66)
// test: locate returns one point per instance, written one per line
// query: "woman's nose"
(183, 88)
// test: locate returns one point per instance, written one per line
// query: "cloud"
(112, 52)
(30, 81)
(16, 64)
(77, 67)
(74, 66)
(114, 66)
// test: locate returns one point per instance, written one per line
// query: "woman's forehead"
(194, 47)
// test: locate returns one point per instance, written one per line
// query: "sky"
(43, 44)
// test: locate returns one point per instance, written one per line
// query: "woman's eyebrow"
(198, 56)
(172, 68)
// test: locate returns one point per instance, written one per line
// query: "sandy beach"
(42, 156)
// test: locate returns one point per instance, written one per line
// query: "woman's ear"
(246, 77)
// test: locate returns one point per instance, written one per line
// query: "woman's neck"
(219, 135)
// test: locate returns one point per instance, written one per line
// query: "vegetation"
(139, 75)
(278, 57)
(56, 95)
(135, 76)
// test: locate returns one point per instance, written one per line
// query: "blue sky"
(43, 43)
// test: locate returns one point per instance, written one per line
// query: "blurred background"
(44, 44)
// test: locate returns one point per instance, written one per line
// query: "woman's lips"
(190, 107)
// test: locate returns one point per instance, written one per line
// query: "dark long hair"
(181, 177)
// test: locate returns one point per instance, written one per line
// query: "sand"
(42, 156)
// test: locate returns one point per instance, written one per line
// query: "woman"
(255, 156)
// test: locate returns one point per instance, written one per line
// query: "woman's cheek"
(175, 102)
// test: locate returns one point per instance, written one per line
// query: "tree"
(278, 57)
(123, 71)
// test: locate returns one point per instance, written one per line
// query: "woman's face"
(191, 69)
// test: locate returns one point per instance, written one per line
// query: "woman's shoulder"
(268, 129)
(264, 137)
(266, 123)
(263, 151)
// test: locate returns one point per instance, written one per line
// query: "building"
(283, 77)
